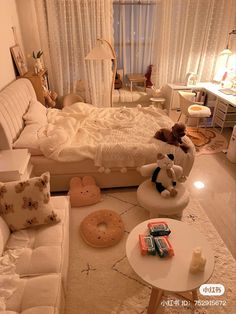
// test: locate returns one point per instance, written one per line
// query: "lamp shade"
(104, 51)
(101, 51)
(226, 51)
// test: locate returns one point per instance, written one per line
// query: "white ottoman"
(150, 199)
(158, 101)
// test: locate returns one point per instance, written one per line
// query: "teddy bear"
(50, 98)
(164, 174)
(173, 136)
(84, 191)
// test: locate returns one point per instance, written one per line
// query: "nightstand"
(15, 165)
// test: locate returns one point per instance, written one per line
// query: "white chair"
(191, 108)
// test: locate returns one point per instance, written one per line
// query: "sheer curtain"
(190, 35)
(134, 34)
(68, 31)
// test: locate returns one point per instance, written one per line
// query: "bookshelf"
(39, 81)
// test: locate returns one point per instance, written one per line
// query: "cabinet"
(171, 94)
(39, 81)
(225, 115)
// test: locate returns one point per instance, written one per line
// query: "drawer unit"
(225, 115)
(225, 107)
(224, 124)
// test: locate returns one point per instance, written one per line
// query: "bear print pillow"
(25, 204)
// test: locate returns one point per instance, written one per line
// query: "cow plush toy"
(164, 174)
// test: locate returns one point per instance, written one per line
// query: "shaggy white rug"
(100, 281)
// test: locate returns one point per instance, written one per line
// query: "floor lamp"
(227, 51)
(104, 51)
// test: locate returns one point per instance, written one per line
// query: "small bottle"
(223, 79)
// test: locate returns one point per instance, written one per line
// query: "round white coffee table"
(170, 274)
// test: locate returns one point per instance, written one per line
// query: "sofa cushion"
(44, 248)
(25, 204)
(36, 295)
(4, 234)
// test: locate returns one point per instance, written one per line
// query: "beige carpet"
(207, 141)
(100, 281)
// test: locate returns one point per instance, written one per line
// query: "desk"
(136, 78)
(224, 106)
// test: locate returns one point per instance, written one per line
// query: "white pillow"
(29, 139)
(36, 113)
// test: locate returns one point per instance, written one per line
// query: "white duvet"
(112, 137)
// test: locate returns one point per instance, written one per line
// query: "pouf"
(150, 199)
(102, 228)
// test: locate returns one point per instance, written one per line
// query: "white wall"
(29, 29)
(8, 18)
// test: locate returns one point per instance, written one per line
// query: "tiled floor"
(218, 196)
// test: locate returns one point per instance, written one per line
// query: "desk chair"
(192, 109)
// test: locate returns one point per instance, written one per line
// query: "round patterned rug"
(207, 141)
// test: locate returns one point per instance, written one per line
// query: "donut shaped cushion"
(102, 228)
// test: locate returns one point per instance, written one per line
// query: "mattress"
(62, 172)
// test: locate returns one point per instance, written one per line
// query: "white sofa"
(42, 263)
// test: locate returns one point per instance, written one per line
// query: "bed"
(107, 143)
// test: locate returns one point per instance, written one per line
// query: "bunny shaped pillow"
(84, 191)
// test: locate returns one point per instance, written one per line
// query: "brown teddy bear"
(50, 98)
(173, 136)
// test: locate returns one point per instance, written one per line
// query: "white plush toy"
(164, 174)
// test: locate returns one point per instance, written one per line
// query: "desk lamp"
(227, 51)
(104, 51)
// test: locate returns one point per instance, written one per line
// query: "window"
(134, 34)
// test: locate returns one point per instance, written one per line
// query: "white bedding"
(112, 137)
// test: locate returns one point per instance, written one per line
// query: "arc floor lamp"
(104, 51)
(227, 51)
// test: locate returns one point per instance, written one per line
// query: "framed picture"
(19, 60)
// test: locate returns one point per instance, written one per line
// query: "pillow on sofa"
(25, 204)
(36, 113)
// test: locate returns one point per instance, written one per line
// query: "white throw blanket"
(112, 137)
(9, 280)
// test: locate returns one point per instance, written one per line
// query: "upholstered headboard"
(14, 102)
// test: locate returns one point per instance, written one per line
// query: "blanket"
(112, 137)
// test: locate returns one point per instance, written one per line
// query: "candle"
(198, 261)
